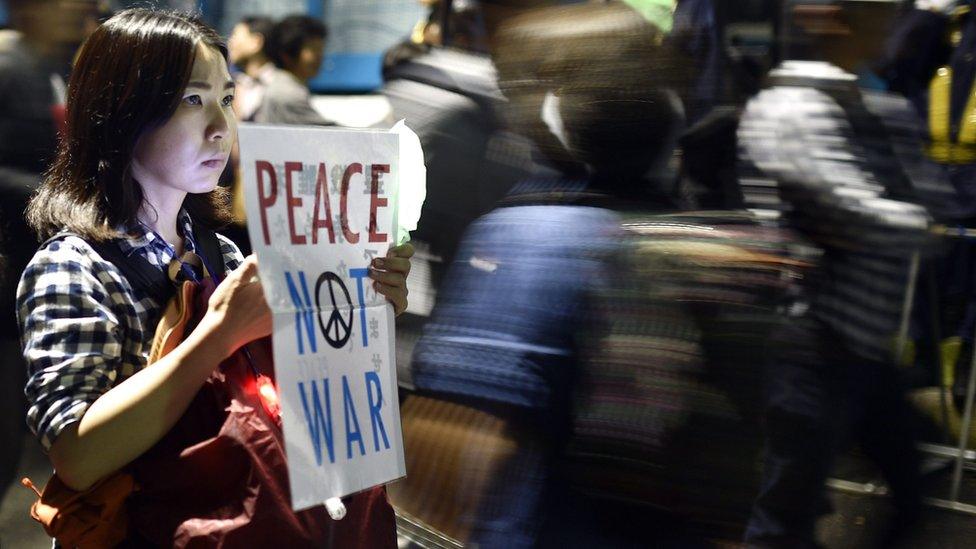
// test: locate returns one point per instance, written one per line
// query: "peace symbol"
(337, 329)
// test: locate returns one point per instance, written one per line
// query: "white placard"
(320, 205)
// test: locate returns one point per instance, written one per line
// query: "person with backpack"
(591, 86)
(841, 165)
(133, 195)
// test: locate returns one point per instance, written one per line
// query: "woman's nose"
(220, 123)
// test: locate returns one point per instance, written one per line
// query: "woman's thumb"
(248, 269)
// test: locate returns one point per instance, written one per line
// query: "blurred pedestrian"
(449, 96)
(35, 51)
(841, 166)
(296, 46)
(590, 86)
(34, 54)
(246, 51)
(931, 59)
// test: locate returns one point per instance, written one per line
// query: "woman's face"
(189, 151)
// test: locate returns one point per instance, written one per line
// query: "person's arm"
(129, 418)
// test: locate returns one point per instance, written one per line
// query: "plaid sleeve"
(71, 337)
(231, 253)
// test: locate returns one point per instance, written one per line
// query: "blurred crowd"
(673, 275)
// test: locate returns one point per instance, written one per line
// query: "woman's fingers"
(390, 275)
(247, 270)
(395, 264)
(403, 250)
(242, 312)
(397, 295)
(397, 259)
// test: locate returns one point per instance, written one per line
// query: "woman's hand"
(390, 275)
(238, 307)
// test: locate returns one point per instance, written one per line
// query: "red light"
(269, 396)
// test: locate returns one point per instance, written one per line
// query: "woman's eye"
(227, 100)
(192, 100)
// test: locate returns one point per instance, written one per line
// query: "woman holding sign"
(133, 194)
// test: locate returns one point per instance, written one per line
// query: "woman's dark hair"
(129, 77)
(289, 35)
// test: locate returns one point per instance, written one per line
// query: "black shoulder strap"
(209, 248)
(146, 277)
(141, 274)
(867, 125)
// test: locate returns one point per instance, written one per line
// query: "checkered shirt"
(84, 328)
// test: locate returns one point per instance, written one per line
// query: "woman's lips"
(214, 163)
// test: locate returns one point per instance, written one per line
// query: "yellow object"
(928, 402)
(956, 20)
(942, 148)
(907, 356)
(417, 34)
(949, 351)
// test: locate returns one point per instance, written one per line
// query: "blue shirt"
(512, 303)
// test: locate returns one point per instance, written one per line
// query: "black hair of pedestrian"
(616, 79)
(258, 24)
(285, 41)
(129, 78)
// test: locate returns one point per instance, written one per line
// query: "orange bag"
(94, 518)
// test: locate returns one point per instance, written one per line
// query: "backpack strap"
(141, 274)
(209, 249)
(147, 277)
